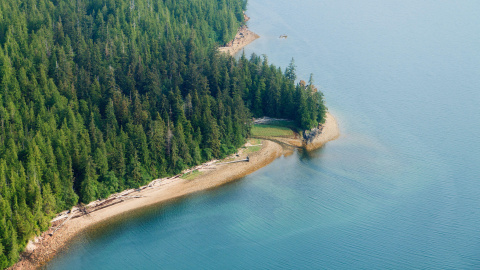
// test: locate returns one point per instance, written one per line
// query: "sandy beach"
(243, 38)
(330, 132)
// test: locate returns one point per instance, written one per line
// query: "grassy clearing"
(271, 131)
(283, 123)
(191, 175)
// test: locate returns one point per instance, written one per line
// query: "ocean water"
(398, 190)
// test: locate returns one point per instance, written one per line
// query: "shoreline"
(243, 37)
(330, 132)
(44, 247)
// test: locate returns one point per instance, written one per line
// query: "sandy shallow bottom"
(43, 248)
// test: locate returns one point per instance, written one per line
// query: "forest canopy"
(97, 96)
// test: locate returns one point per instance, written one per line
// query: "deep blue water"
(398, 190)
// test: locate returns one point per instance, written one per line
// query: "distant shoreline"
(243, 38)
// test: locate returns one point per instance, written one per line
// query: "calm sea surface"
(400, 189)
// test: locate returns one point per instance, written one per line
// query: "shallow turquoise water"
(398, 190)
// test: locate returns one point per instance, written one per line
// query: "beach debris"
(235, 161)
(135, 197)
(266, 120)
(59, 226)
(283, 36)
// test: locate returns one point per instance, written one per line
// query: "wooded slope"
(97, 96)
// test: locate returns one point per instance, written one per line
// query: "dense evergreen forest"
(97, 96)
